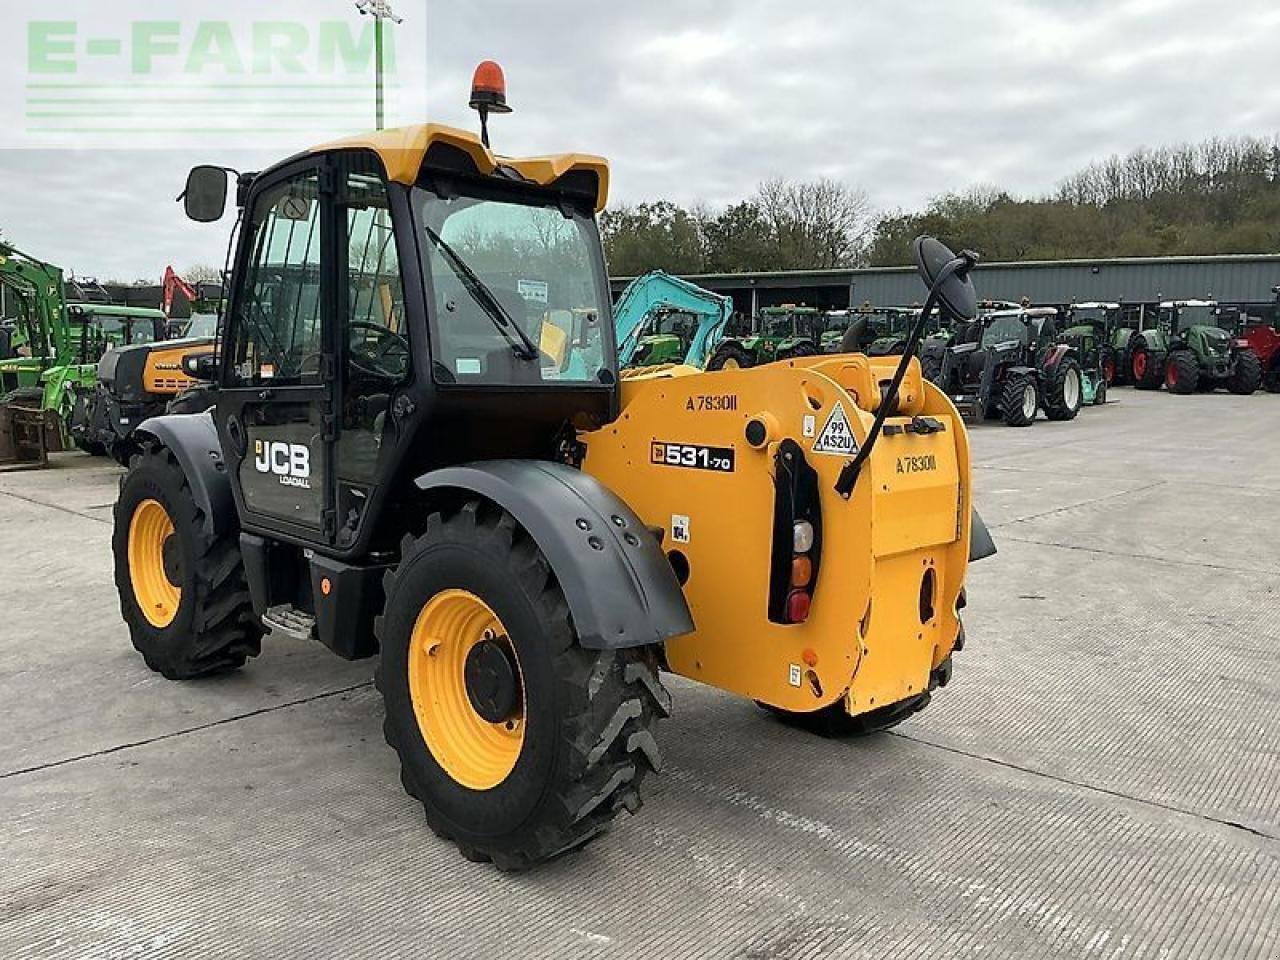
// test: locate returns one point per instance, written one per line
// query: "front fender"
(193, 440)
(620, 588)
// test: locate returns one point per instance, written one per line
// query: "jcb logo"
(291, 462)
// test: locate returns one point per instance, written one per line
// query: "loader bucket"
(27, 436)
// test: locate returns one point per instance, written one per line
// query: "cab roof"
(406, 151)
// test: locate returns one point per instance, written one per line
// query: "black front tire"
(589, 715)
(1016, 404)
(1182, 373)
(214, 629)
(1246, 379)
(730, 352)
(1064, 391)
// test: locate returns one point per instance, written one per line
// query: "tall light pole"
(380, 10)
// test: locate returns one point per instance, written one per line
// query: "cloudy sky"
(694, 100)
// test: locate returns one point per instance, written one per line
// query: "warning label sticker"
(836, 437)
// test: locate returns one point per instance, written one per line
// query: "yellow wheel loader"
(422, 450)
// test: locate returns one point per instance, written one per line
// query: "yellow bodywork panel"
(163, 373)
(403, 149)
(905, 528)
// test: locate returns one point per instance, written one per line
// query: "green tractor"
(55, 349)
(1203, 355)
(783, 333)
(1084, 329)
(1135, 346)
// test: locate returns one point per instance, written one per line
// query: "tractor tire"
(196, 399)
(799, 350)
(1271, 381)
(835, 723)
(1246, 380)
(1108, 366)
(92, 447)
(534, 756)
(730, 356)
(1100, 394)
(182, 588)
(1181, 373)
(1064, 392)
(931, 367)
(1020, 400)
(1144, 369)
(123, 452)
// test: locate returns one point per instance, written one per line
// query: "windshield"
(202, 325)
(675, 323)
(1092, 316)
(1195, 316)
(778, 324)
(1002, 330)
(492, 264)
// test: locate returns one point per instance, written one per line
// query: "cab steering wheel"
(385, 359)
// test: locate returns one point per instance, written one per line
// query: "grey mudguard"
(620, 588)
(193, 440)
(981, 545)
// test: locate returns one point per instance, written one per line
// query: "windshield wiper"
(521, 343)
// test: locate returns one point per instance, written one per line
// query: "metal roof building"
(1244, 277)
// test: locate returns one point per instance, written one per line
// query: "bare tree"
(202, 273)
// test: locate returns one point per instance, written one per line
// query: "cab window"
(517, 291)
(277, 338)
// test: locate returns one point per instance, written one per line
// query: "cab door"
(275, 405)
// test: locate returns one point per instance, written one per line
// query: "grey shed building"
(1245, 277)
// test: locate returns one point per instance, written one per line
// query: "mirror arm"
(848, 478)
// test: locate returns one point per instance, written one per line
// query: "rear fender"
(620, 587)
(193, 440)
(1056, 355)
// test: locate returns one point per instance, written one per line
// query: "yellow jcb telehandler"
(422, 449)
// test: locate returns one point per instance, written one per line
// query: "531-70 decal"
(692, 455)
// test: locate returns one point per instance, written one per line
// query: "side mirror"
(205, 197)
(200, 366)
(956, 293)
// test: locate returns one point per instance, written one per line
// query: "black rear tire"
(730, 353)
(1271, 381)
(1152, 372)
(214, 629)
(589, 715)
(1182, 373)
(1064, 391)
(1246, 379)
(835, 722)
(1015, 402)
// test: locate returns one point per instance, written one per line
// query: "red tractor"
(1259, 329)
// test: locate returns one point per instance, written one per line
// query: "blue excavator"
(661, 319)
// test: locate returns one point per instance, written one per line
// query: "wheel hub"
(492, 681)
(171, 559)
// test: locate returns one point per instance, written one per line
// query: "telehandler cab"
(403, 460)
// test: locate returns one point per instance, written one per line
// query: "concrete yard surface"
(1101, 779)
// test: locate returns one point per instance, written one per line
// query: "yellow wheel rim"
(732, 364)
(157, 596)
(476, 753)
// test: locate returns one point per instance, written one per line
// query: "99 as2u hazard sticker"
(836, 437)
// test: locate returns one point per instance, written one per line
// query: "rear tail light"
(802, 536)
(798, 605)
